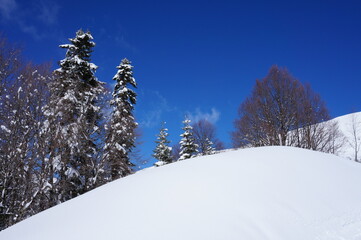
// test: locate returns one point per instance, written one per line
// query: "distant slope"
(345, 124)
(259, 193)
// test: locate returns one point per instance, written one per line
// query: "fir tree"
(208, 147)
(188, 146)
(73, 119)
(162, 152)
(120, 139)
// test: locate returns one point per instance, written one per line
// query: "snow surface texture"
(349, 125)
(258, 193)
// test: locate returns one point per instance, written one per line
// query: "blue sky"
(201, 58)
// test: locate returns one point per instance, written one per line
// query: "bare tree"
(354, 131)
(23, 93)
(10, 64)
(34, 95)
(136, 157)
(176, 152)
(283, 111)
(313, 131)
(335, 138)
(270, 112)
(205, 132)
(12, 134)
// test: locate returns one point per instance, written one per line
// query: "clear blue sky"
(201, 57)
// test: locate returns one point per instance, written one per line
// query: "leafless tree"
(21, 182)
(354, 130)
(176, 152)
(136, 157)
(205, 131)
(270, 112)
(10, 67)
(10, 64)
(313, 128)
(283, 111)
(23, 92)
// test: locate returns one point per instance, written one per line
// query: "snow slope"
(345, 124)
(259, 193)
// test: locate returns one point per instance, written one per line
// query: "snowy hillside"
(259, 193)
(349, 125)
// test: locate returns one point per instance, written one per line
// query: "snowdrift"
(259, 193)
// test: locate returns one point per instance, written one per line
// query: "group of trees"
(56, 138)
(283, 111)
(23, 93)
(197, 139)
(280, 111)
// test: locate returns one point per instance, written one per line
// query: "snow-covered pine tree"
(72, 119)
(208, 147)
(120, 139)
(162, 152)
(188, 146)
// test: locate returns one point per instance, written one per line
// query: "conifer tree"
(208, 147)
(162, 152)
(73, 119)
(120, 139)
(188, 146)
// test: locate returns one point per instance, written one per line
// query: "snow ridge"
(258, 193)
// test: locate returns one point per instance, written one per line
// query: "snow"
(273, 193)
(4, 128)
(159, 163)
(93, 66)
(71, 172)
(119, 147)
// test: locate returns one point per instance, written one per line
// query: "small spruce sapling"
(162, 152)
(188, 146)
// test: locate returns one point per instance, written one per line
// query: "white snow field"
(257, 193)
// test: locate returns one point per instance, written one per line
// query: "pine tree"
(120, 139)
(73, 119)
(187, 144)
(162, 152)
(208, 147)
